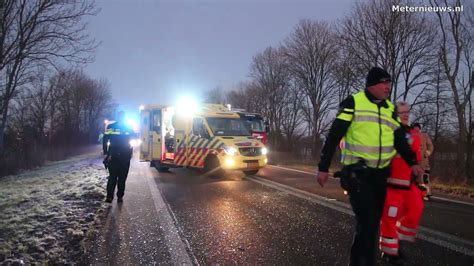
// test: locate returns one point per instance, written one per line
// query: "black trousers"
(118, 171)
(367, 199)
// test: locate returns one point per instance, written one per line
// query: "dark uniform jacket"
(116, 142)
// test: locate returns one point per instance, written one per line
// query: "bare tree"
(98, 101)
(402, 43)
(39, 33)
(292, 116)
(39, 105)
(311, 52)
(270, 74)
(245, 96)
(215, 95)
(435, 113)
(54, 94)
(349, 77)
(455, 45)
(468, 62)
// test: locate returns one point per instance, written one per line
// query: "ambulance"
(210, 137)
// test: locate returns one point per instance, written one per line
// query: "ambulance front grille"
(250, 152)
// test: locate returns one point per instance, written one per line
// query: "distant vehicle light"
(142, 107)
(135, 142)
(133, 124)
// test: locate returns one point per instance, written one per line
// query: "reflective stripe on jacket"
(371, 134)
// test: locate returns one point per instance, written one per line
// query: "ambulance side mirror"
(205, 134)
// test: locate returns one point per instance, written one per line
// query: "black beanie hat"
(376, 75)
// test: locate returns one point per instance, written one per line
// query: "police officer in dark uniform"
(369, 124)
(117, 152)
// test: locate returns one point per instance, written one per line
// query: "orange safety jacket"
(401, 173)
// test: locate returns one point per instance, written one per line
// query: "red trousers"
(400, 219)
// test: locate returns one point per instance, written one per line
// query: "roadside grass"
(461, 190)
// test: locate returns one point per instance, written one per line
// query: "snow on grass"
(46, 213)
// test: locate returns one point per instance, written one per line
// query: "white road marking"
(176, 246)
(290, 169)
(445, 240)
(314, 174)
(453, 201)
(335, 205)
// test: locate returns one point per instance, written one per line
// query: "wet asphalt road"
(241, 220)
(447, 217)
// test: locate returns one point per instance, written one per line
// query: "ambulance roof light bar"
(186, 106)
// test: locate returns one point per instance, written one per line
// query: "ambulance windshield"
(256, 125)
(228, 126)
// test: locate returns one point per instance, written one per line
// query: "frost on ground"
(45, 214)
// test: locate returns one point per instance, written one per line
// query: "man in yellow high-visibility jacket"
(369, 124)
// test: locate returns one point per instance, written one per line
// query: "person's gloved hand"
(418, 171)
(423, 187)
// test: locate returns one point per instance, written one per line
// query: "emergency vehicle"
(258, 126)
(211, 138)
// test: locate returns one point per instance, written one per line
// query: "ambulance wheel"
(212, 167)
(251, 172)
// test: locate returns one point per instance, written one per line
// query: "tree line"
(48, 105)
(298, 84)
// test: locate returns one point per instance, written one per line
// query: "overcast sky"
(155, 51)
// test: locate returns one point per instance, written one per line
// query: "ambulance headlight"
(264, 151)
(229, 150)
(229, 163)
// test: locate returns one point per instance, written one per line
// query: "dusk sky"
(156, 51)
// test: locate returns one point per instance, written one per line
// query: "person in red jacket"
(404, 201)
